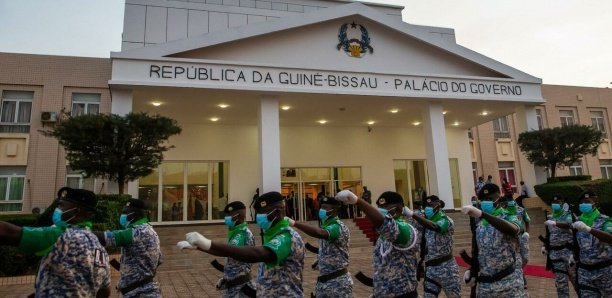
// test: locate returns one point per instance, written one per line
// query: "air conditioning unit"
(48, 117)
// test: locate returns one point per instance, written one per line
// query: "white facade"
(257, 56)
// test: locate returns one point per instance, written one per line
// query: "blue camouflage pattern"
(446, 275)
(76, 266)
(285, 279)
(498, 251)
(560, 258)
(394, 264)
(593, 251)
(334, 256)
(234, 268)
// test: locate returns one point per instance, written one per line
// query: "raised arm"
(10, 234)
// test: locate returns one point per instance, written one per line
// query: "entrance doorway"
(411, 180)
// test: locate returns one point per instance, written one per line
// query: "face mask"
(556, 207)
(486, 206)
(586, 207)
(57, 216)
(229, 221)
(383, 211)
(322, 214)
(263, 221)
(123, 220)
(429, 212)
(511, 203)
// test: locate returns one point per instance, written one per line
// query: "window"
(85, 103)
(606, 168)
(597, 120)
(500, 128)
(539, 119)
(506, 170)
(16, 111)
(76, 179)
(12, 182)
(567, 117)
(474, 172)
(576, 169)
(470, 134)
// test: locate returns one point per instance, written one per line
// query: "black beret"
(267, 199)
(390, 197)
(587, 194)
(433, 199)
(558, 197)
(488, 190)
(329, 201)
(81, 197)
(233, 206)
(136, 204)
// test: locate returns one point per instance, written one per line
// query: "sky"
(564, 42)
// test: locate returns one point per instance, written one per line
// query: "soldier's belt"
(412, 294)
(561, 247)
(438, 261)
(497, 276)
(240, 280)
(135, 285)
(596, 266)
(335, 274)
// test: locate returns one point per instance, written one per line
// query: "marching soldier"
(497, 239)
(74, 263)
(140, 252)
(441, 270)
(560, 244)
(282, 254)
(593, 233)
(333, 258)
(418, 250)
(394, 261)
(521, 214)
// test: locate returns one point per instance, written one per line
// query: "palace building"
(298, 96)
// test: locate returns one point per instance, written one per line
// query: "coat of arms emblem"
(354, 47)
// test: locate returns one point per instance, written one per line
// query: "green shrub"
(12, 262)
(108, 211)
(571, 190)
(568, 178)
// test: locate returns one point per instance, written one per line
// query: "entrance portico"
(410, 99)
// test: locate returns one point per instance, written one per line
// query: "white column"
(437, 154)
(121, 104)
(269, 145)
(526, 120)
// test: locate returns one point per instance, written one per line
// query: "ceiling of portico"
(198, 106)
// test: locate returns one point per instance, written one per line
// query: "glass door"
(411, 180)
(456, 187)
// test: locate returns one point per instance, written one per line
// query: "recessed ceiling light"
(214, 119)
(223, 105)
(444, 112)
(371, 122)
(484, 113)
(285, 108)
(394, 111)
(455, 123)
(416, 123)
(156, 103)
(322, 121)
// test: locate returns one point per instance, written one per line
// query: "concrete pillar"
(437, 154)
(526, 120)
(121, 104)
(269, 145)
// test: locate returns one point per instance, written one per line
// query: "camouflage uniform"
(239, 235)
(74, 264)
(140, 256)
(593, 251)
(334, 256)
(498, 252)
(394, 260)
(282, 278)
(440, 244)
(560, 251)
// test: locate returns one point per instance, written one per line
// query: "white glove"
(471, 211)
(571, 262)
(526, 235)
(543, 250)
(184, 245)
(291, 221)
(407, 212)
(220, 283)
(582, 227)
(468, 280)
(347, 197)
(196, 239)
(550, 223)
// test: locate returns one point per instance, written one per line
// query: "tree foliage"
(119, 148)
(559, 146)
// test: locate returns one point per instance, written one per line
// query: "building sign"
(354, 47)
(217, 76)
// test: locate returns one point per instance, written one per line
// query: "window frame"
(14, 126)
(540, 119)
(564, 119)
(87, 104)
(8, 191)
(499, 131)
(576, 169)
(596, 119)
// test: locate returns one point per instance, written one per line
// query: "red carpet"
(531, 270)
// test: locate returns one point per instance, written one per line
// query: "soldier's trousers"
(442, 277)
(341, 286)
(510, 286)
(600, 279)
(150, 290)
(236, 292)
(563, 273)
